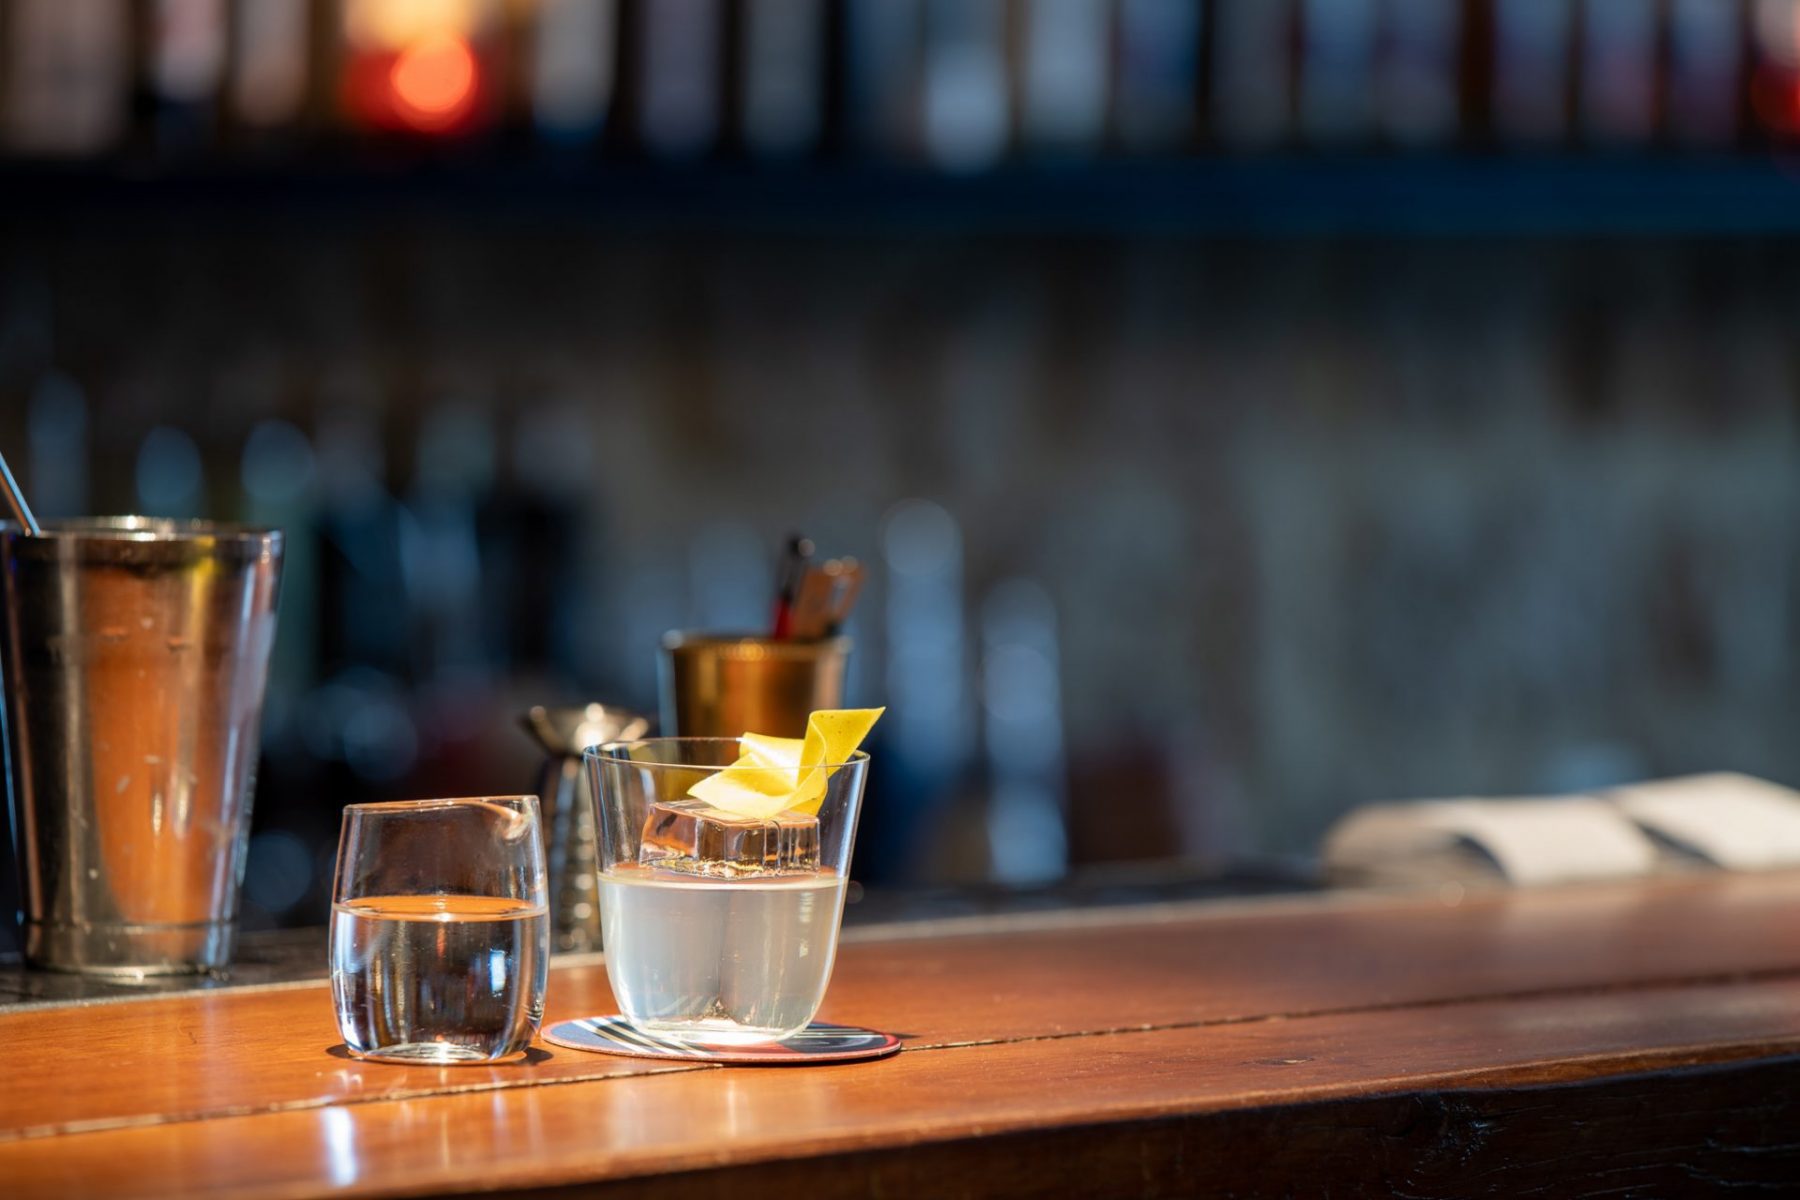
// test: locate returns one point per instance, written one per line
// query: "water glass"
(440, 929)
(719, 930)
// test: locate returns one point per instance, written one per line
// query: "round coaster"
(817, 1043)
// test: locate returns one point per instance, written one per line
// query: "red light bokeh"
(432, 86)
(433, 83)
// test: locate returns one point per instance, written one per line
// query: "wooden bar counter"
(1633, 1039)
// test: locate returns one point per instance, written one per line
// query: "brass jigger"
(571, 831)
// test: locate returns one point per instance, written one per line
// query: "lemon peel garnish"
(777, 774)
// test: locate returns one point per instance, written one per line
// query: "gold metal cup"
(717, 685)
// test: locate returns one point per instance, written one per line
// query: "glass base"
(711, 1032)
(434, 1053)
(129, 951)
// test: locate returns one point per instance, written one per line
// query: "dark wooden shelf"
(1383, 195)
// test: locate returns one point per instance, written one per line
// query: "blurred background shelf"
(1265, 196)
(1247, 408)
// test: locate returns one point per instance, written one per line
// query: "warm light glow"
(434, 82)
(393, 24)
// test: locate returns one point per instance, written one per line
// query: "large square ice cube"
(693, 837)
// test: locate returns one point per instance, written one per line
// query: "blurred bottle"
(1531, 69)
(783, 71)
(57, 447)
(533, 543)
(452, 488)
(927, 685)
(170, 476)
(1065, 75)
(679, 49)
(1158, 74)
(1775, 87)
(186, 70)
(573, 47)
(884, 48)
(278, 476)
(1337, 70)
(270, 40)
(1706, 44)
(966, 111)
(1252, 72)
(1618, 71)
(66, 81)
(1418, 92)
(1022, 728)
(364, 614)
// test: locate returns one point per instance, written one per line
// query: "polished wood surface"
(1113, 1053)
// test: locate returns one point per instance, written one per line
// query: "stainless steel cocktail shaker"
(135, 653)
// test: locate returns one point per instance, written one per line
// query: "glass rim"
(599, 752)
(437, 802)
(729, 644)
(133, 527)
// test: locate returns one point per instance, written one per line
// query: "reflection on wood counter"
(1639, 1036)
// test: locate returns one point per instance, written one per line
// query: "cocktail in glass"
(719, 928)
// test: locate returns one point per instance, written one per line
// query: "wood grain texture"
(235, 1052)
(1449, 1057)
(1705, 1132)
(221, 1053)
(1031, 1051)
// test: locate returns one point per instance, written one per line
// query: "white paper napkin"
(1734, 821)
(1522, 840)
(1731, 821)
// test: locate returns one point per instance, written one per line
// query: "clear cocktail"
(723, 877)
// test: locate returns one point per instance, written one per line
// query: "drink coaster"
(817, 1043)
